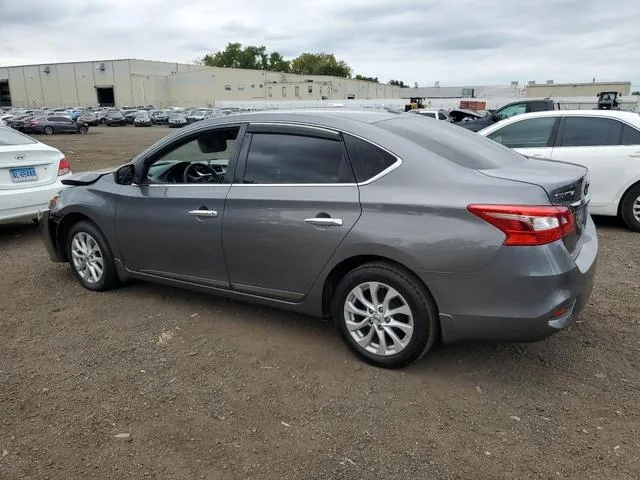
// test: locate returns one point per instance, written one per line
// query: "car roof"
(325, 115)
(629, 117)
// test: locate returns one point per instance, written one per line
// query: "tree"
(397, 83)
(251, 56)
(637, 92)
(368, 79)
(320, 64)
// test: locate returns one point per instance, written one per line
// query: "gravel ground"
(203, 387)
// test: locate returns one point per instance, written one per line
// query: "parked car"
(17, 122)
(437, 114)
(30, 174)
(507, 111)
(89, 118)
(383, 239)
(457, 115)
(115, 118)
(130, 116)
(200, 114)
(55, 124)
(607, 142)
(160, 117)
(142, 119)
(177, 120)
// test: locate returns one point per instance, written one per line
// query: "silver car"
(403, 230)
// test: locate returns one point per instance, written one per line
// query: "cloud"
(457, 42)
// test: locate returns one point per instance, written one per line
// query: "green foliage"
(320, 64)
(368, 79)
(251, 57)
(398, 83)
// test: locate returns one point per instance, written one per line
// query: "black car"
(115, 118)
(509, 110)
(130, 116)
(55, 124)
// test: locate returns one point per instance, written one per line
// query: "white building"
(143, 82)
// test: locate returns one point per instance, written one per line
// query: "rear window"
(9, 136)
(454, 143)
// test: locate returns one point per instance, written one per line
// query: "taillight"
(34, 123)
(64, 167)
(528, 225)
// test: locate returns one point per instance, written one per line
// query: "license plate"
(26, 174)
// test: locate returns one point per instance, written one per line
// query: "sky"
(454, 42)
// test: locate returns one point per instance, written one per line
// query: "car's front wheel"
(48, 131)
(630, 208)
(90, 257)
(83, 130)
(385, 315)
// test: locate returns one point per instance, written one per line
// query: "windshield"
(456, 144)
(176, 116)
(9, 136)
(142, 115)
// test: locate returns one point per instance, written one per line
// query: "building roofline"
(95, 61)
(583, 84)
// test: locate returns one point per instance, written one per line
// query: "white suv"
(30, 174)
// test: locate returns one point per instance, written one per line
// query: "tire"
(83, 130)
(88, 235)
(631, 201)
(410, 293)
(48, 131)
(103, 121)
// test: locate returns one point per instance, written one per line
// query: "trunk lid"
(28, 165)
(566, 184)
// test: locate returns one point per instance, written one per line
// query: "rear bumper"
(518, 297)
(26, 203)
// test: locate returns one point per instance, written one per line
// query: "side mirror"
(495, 117)
(125, 174)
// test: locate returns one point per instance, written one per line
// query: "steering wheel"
(200, 173)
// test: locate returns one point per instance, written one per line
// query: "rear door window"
(539, 107)
(367, 159)
(530, 133)
(276, 158)
(441, 116)
(630, 136)
(590, 132)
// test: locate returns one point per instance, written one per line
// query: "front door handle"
(324, 222)
(203, 213)
(635, 154)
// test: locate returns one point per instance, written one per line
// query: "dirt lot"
(210, 388)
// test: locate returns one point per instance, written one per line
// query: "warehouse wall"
(577, 89)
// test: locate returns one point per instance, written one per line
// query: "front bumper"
(518, 296)
(27, 203)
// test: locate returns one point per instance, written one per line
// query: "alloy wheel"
(87, 257)
(378, 318)
(636, 209)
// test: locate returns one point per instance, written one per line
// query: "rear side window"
(453, 143)
(590, 132)
(367, 159)
(630, 136)
(539, 107)
(531, 133)
(441, 116)
(285, 158)
(429, 114)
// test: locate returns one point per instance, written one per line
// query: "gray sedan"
(404, 230)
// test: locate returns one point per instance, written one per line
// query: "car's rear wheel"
(630, 208)
(48, 131)
(90, 257)
(385, 315)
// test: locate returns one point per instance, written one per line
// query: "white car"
(30, 174)
(607, 142)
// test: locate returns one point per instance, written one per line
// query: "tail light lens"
(34, 123)
(64, 167)
(528, 225)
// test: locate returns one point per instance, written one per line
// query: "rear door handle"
(203, 213)
(323, 221)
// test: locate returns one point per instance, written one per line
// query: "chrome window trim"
(376, 177)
